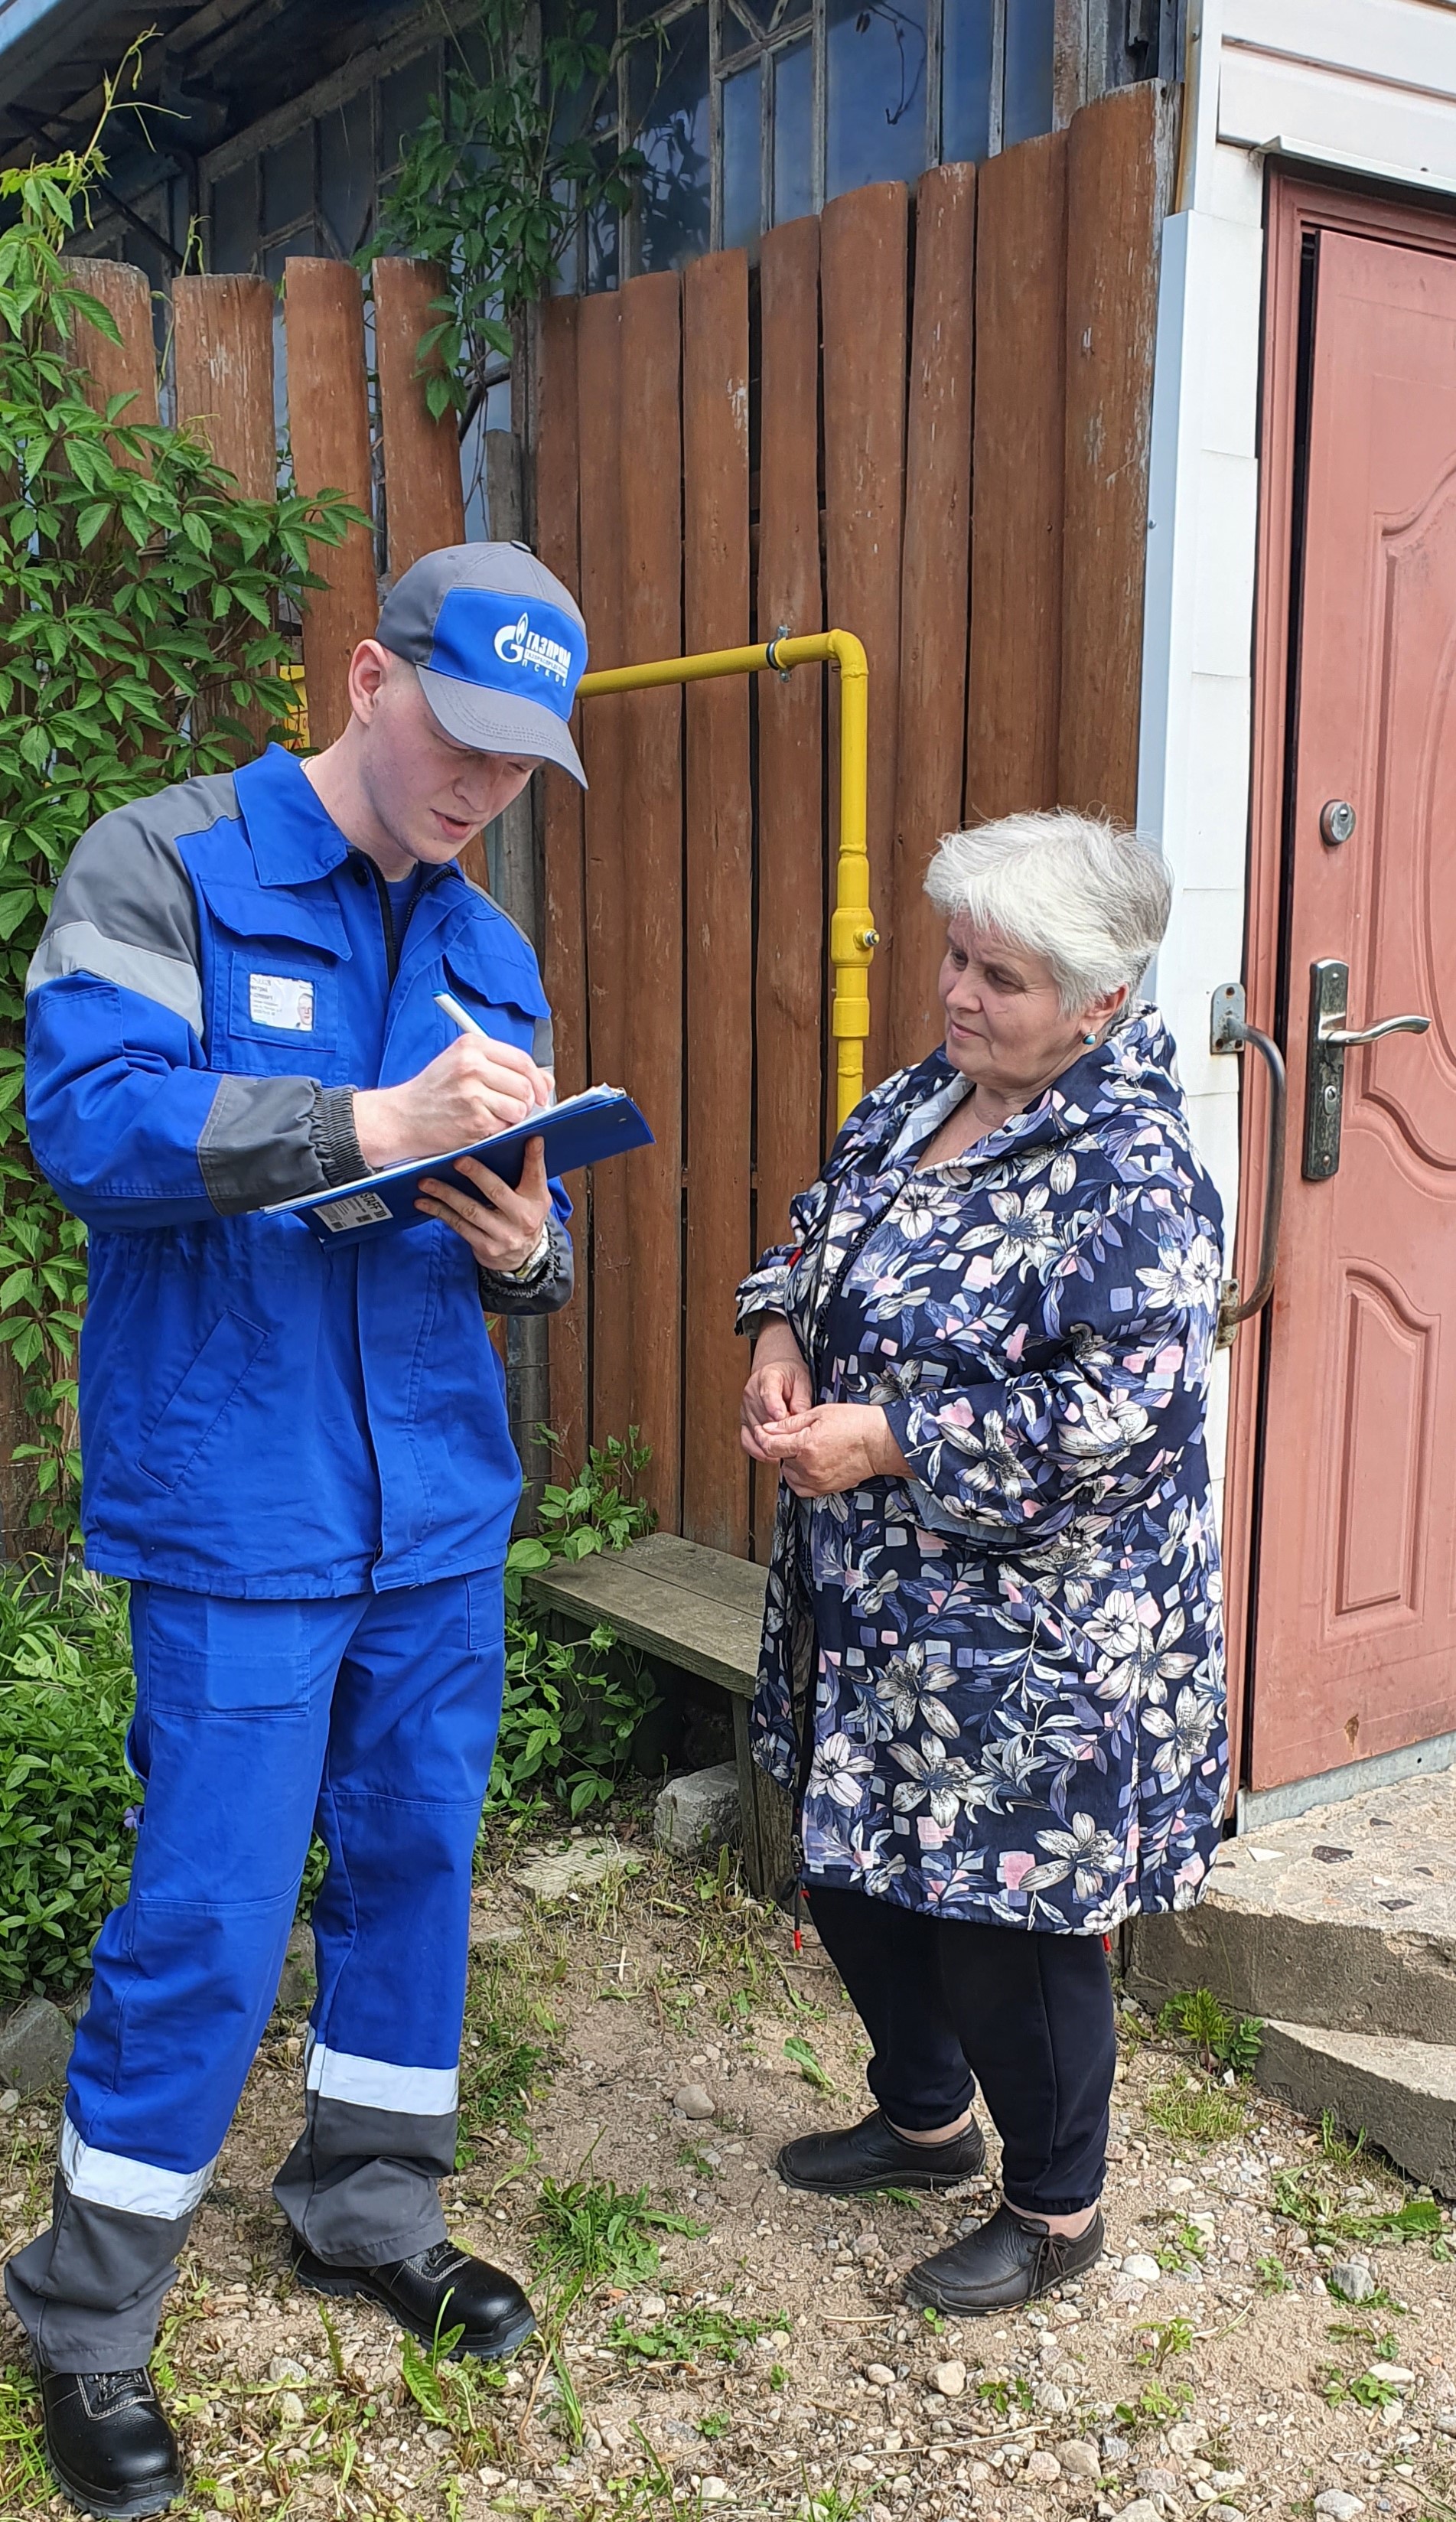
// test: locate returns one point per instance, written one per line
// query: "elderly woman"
(993, 1657)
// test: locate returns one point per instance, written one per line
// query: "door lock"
(1329, 1040)
(1337, 823)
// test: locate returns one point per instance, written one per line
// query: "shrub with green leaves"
(139, 599)
(571, 1708)
(1221, 2038)
(66, 1694)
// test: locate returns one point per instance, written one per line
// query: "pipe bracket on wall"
(1229, 1033)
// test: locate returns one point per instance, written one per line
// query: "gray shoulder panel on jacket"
(125, 908)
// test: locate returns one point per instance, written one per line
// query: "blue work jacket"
(262, 1416)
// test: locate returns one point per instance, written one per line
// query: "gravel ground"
(762, 2360)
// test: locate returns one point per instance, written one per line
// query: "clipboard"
(584, 1129)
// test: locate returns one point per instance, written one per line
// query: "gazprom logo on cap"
(529, 649)
(517, 644)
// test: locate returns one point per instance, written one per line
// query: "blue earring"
(1089, 1039)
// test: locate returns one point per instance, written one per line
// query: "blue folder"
(581, 1131)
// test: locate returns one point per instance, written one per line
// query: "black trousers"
(947, 2004)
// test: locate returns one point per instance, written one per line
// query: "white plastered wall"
(1365, 86)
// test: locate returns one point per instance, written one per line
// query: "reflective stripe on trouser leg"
(228, 1739)
(416, 1707)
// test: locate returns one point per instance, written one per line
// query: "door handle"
(1329, 1039)
(1228, 1032)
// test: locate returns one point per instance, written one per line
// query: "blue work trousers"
(373, 1719)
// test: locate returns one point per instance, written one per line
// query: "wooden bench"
(694, 1611)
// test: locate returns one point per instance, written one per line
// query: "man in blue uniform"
(300, 1459)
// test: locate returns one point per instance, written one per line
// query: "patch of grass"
(690, 2158)
(1383, 2342)
(1271, 2276)
(1165, 2339)
(1221, 2038)
(1003, 2397)
(25, 2481)
(829, 2505)
(699, 2336)
(714, 2425)
(1366, 2390)
(1198, 2113)
(777, 2377)
(1182, 2248)
(1302, 2198)
(517, 2036)
(1154, 2406)
(1336, 2146)
(799, 2054)
(592, 2233)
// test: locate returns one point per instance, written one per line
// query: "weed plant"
(1222, 2039)
(1200, 2113)
(700, 2335)
(590, 2233)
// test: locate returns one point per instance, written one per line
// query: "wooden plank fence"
(927, 420)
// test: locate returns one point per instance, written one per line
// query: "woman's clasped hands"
(820, 1449)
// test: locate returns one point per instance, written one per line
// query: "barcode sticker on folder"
(360, 1208)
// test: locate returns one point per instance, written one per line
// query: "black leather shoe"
(1007, 2260)
(433, 2294)
(108, 2444)
(849, 2162)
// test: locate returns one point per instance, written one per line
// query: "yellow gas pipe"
(853, 937)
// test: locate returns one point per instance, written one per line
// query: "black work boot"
(107, 2442)
(850, 2163)
(439, 2290)
(1007, 2260)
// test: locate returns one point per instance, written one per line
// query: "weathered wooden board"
(424, 503)
(863, 283)
(639, 1203)
(563, 852)
(1121, 154)
(718, 973)
(127, 366)
(1020, 435)
(789, 971)
(328, 419)
(222, 353)
(934, 600)
(599, 439)
(696, 1608)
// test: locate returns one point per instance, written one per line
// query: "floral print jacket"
(1018, 1689)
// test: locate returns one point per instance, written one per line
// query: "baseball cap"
(500, 646)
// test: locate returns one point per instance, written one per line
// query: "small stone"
(1157, 2482)
(575, 1868)
(1444, 2421)
(652, 2306)
(290, 2408)
(697, 1815)
(1222, 2513)
(881, 2375)
(10, 2100)
(949, 2379)
(1186, 2438)
(1353, 2278)
(286, 2369)
(1114, 2451)
(34, 2047)
(1043, 2465)
(1224, 2480)
(1339, 2505)
(1397, 2375)
(694, 2102)
(1051, 2399)
(1141, 2267)
(713, 2491)
(297, 1981)
(1079, 2460)
(1142, 2509)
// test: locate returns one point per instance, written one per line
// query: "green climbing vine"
(139, 599)
(494, 183)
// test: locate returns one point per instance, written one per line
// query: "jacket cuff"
(335, 1142)
(545, 1288)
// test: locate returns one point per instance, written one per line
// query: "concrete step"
(1401, 2092)
(1344, 1920)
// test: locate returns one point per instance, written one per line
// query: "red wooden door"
(1355, 1627)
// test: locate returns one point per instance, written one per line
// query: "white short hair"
(1089, 898)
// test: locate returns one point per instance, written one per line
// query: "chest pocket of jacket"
(273, 998)
(515, 1010)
